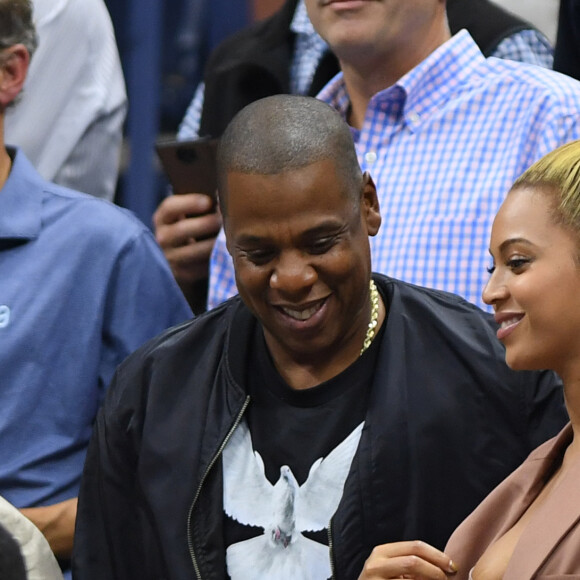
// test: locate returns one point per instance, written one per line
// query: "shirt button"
(414, 117)
(370, 157)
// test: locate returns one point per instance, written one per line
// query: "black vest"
(567, 54)
(487, 22)
(252, 64)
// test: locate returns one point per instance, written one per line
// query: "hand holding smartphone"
(190, 166)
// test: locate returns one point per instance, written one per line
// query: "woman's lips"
(507, 324)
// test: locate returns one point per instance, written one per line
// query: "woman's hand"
(416, 560)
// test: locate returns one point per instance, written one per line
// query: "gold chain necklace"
(374, 317)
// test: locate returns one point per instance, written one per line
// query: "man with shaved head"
(323, 411)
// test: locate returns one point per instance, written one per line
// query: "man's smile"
(302, 313)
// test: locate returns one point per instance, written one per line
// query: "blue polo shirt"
(82, 284)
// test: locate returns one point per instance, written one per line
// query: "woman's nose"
(495, 290)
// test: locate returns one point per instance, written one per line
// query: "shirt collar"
(441, 75)
(20, 200)
(423, 89)
(301, 22)
(334, 94)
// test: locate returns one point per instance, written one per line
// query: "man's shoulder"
(191, 343)
(89, 215)
(54, 210)
(445, 327)
(531, 78)
(435, 308)
(428, 296)
(186, 358)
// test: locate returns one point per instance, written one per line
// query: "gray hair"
(17, 25)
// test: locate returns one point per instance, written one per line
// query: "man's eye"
(259, 256)
(321, 246)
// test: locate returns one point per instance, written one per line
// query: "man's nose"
(292, 274)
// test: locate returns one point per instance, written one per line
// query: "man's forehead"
(325, 169)
(292, 188)
(311, 195)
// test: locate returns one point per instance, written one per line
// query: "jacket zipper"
(331, 550)
(196, 497)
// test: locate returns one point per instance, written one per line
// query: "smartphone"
(190, 166)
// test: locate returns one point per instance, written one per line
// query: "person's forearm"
(57, 523)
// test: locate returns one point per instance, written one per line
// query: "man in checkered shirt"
(443, 130)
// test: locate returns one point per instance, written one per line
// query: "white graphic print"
(283, 510)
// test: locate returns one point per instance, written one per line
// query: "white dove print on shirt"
(283, 510)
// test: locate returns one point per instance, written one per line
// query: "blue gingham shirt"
(444, 145)
(529, 46)
(525, 46)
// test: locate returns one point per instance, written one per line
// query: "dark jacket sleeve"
(148, 453)
(108, 536)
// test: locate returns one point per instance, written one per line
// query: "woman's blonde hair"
(558, 173)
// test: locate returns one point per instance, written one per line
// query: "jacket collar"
(551, 522)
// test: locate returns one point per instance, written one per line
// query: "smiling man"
(324, 411)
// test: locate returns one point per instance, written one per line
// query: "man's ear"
(14, 63)
(370, 205)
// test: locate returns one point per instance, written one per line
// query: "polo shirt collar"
(21, 200)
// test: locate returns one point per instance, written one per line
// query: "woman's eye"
(517, 263)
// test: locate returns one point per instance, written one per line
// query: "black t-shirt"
(296, 428)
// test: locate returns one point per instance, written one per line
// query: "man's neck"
(5, 165)
(5, 161)
(364, 77)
